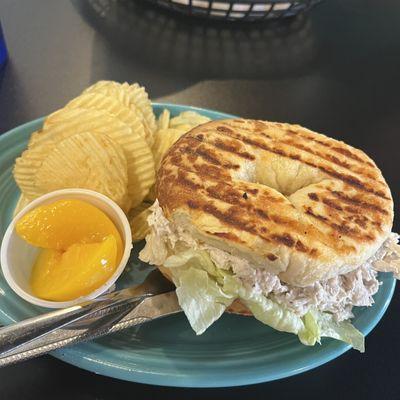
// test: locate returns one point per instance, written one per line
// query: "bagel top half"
(292, 201)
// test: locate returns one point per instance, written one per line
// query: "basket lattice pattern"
(238, 10)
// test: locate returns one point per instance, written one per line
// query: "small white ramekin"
(18, 257)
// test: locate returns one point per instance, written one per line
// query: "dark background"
(336, 71)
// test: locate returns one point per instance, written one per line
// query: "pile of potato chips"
(107, 140)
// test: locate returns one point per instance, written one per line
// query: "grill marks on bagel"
(325, 165)
(360, 213)
(224, 201)
(350, 166)
(346, 206)
(333, 145)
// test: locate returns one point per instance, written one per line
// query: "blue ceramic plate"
(234, 351)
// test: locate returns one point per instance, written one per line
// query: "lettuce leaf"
(344, 331)
(312, 332)
(192, 258)
(155, 251)
(266, 310)
(201, 298)
(199, 293)
(205, 291)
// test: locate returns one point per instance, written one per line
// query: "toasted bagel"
(300, 204)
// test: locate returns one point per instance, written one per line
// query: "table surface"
(335, 71)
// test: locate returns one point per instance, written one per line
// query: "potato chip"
(191, 118)
(60, 115)
(89, 161)
(34, 137)
(21, 204)
(138, 221)
(69, 122)
(110, 88)
(163, 140)
(140, 99)
(41, 143)
(137, 100)
(26, 166)
(183, 127)
(110, 104)
(141, 173)
(163, 120)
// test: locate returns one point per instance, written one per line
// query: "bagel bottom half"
(237, 307)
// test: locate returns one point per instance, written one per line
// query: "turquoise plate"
(234, 351)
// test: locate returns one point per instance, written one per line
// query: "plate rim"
(75, 357)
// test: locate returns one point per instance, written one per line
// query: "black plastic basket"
(200, 50)
(237, 10)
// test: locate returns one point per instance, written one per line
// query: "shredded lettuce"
(205, 291)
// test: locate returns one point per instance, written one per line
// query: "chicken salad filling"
(334, 298)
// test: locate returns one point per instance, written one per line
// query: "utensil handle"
(109, 320)
(22, 333)
(102, 326)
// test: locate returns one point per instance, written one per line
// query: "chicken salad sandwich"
(275, 221)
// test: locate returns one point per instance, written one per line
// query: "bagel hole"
(285, 175)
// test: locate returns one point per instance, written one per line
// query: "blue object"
(234, 351)
(3, 49)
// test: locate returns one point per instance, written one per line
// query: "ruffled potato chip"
(59, 115)
(140, 99)
(63, 124)
(163, 140)
(110, 104)
(138, 221)
(69, 122)
(26, 166)
(110, 88)
(163, 120)
(189, 118)
(34, 137)
(89, 161)
(135, 98)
